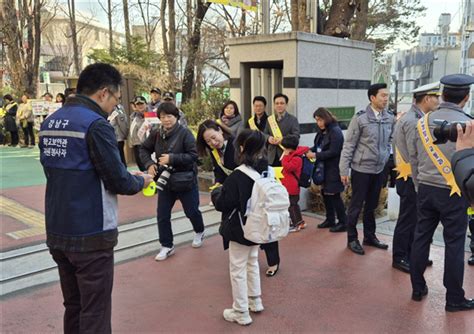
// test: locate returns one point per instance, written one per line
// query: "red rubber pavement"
(321, 287)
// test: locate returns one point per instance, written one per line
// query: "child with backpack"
(292, 162)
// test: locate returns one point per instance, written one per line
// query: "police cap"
(168, 96)
(429, 89)
(155, 90)
(459, 81)
(139, 100)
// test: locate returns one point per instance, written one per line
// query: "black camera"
(445, 131)
(162, 176)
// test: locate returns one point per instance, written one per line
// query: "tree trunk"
(294, 15)
(193, 48)
(22, 45)
(304, 22)
(172, 41)
(128, 35)
(359, 28)
(75, 46)
(109, 17)
(340, 15)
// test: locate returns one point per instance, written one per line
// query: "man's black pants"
(365, 188)
(86, 284)
(434, 205)
(406, 223)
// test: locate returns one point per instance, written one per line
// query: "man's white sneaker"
(242, 318)
(164, 253)
(255, 304)
(198, 238)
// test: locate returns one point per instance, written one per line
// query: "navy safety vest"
(77, 203)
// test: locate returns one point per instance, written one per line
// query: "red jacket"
(292, 165)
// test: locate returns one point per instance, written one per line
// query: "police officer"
(426, 99)
(155, 100)
(366, 151)
(439, 198)
(119, 120)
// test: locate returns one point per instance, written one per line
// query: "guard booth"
(313, 70)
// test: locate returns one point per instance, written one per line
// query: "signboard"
(44, 108)
(244, 4)
(342, 113)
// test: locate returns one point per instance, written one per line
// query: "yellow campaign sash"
(438, 158)
(252, 124)
(217, 157)
(275, 128)
(403, 168)
(219, 121)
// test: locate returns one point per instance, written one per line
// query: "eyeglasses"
(118, 99)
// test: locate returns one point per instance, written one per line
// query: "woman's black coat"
(330, 141)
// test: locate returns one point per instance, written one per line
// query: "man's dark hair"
(98, 76)
(277, 95)
(374, 89)
(8, 97)
(455, 95)
(253, 149)
(290, 142)
(261, 99)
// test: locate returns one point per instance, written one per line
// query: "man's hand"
(164, 159)
(345, 180)
(310, 155)
(152, 170)
(466, 139)
(148, 179)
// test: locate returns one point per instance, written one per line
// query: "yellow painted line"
(32, 218)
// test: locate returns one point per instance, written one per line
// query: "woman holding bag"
(176, 174)
(327, 152)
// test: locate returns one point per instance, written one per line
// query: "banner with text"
(244, 4)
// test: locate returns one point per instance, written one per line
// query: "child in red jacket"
(292, 165)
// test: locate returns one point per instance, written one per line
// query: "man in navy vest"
(84, 174)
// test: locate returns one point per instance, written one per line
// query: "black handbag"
(181, 181)
(318, 173)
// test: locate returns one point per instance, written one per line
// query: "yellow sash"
(219, 121)
(438, 158)
(275, 128)
(217, 157)
(403, 168)
(252, 124)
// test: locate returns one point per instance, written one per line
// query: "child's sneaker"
(302, 225)
(294, 228)
(242, 318)
(255, 304)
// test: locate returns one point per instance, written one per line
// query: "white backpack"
(267, 214)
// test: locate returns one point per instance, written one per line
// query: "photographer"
(176, 175)
(439, 198)
(463, 169)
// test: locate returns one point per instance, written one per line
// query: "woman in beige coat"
(26, 119)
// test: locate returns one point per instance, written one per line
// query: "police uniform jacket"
(120, 124)
(83, 170)
(405, 134)
(136, 121)
(423, 169)
(367, 144)
(289, 126)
